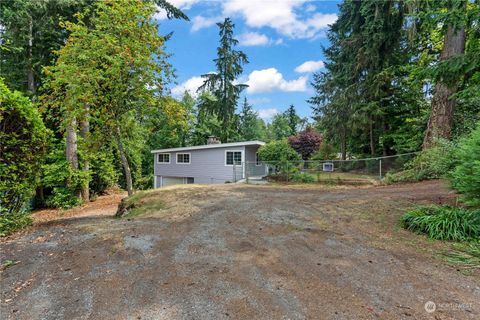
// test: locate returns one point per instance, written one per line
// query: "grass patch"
(10, 223)
(139, 204)
(143, 208)
(465, 254)
(7, 264)
(444, 222)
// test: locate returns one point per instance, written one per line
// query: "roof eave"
(211, 146)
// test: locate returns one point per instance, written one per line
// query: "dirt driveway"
(240, 252)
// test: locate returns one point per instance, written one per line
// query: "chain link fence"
(366, 170)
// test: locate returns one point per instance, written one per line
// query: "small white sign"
(328, 167)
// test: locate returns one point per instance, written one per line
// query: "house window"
(163, 158)
(189, 180)
(257, 159)
(183, 158)
(233, 157)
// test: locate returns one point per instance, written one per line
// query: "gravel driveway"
(240, 252)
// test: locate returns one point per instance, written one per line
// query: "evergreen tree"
(280, 127)
(456, 66)
(229, 64)
(248, 122)
(112, 75)
(293, 119)
(31, 32)
(365, 93)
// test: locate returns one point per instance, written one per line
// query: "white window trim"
(189, 158)
(169, 158)
(231, 165)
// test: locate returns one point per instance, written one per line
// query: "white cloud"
(199, 22)
(267, 114)
(310, 66)
(253, 39)
(280, 15)
(271, 79)
(259, 100)
(249, 39)
(310, 8)
(191, 85)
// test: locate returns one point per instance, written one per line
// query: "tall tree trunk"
(84, 131)
(441, 118)
(343, 144)
(125, 164)
(30, 76)
(372, 140)
(71, 147)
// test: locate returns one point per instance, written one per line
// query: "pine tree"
(248, 122)
(229, 64)
(293, 119)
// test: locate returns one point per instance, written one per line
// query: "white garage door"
(170, 181)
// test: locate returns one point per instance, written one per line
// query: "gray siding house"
(214, 162)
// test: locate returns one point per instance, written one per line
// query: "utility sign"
(328, 167)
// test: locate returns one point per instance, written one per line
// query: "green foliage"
(10, 223)
(251, 127)
(280, 154)
(280, 127)
(115, 64)
(62, 197)
(104, 174)
(465, 177)
(364, 96)
(444, 222)
(278, 150)
(325, 152)
(293, 119)
(59, 177)
(433, 163)
(23, 137)
(31, 32)
(303, 177)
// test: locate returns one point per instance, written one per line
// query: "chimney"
(213, 140)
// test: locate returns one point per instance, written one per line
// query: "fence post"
(380, 168)
(245, 167)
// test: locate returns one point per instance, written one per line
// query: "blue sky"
(282, 40)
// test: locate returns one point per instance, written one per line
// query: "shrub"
(22, 141)
(62, 198)
(279, 153)
(103, 172)
(444, 222)
(12, 222)
(325, 152)
(465, 177)
(433, 163)
(56, 174)
(303, 177)
(278, 150)
(306, 142)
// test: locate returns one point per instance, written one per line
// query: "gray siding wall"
(251, 168)
(250, 153)
(206, 166)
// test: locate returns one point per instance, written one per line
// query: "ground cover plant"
(444, 222)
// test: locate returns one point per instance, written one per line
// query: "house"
(214, 162)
